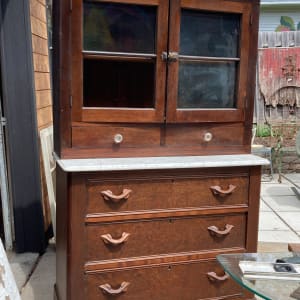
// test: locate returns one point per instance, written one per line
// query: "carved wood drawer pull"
(217, 231)
(108, 239)
(217, 190)
(109, 196)
(214, 277)
(106, 288)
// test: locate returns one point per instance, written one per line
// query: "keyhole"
(169, 268)
(170, 221)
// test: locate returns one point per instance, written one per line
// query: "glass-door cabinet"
(210, 43)
(117, 58)
(156, 63)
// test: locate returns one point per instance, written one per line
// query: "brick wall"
(42, 81)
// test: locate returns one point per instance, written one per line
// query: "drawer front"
(163, 236)
(147, 194)
(206, 136)
(177, 282)
(115, 136)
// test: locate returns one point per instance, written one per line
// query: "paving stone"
(270, 221)
(278, 236)
(272, 247)
(41, 282)
(264, 207)
(295, 177)
(292, 219)
(276, 190)
(22, 266)
(282, 203)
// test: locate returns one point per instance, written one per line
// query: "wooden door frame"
(21, 127)
(111, 114)
(176, 115)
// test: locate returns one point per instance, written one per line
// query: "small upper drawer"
(192, 281)
(109, 137)
(220, 135)
(155, 193)
(164, 236)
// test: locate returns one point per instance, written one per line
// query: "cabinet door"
(209, 44)
(118, 74)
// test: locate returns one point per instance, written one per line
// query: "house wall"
(41, 62)
(270, 16)
(42, 81)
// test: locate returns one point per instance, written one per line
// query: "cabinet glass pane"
(207, 85)
(118, 84)
(209, 34)
(119, 27)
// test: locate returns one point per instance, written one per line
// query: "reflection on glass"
(209, 34)
(207, 85)
(118, 84)
(119, 27)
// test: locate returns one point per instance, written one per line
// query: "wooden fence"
(278, 113)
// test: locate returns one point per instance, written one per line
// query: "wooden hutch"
(153, 122)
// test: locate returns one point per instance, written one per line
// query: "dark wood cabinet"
(153, 117)
(144, 66)
(154, 234)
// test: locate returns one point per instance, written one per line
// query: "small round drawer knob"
(118, 138)
(208, 137)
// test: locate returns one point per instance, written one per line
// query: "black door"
(18, 100)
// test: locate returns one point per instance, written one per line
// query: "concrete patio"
(279, 219)
(279, 224)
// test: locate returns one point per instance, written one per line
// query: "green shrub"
(263, 130)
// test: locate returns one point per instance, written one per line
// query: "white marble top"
(155, 163)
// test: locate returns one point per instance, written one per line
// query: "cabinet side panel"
(253, 50)
(253, 213)
(61, 76)
(61, 233)
(78, 244)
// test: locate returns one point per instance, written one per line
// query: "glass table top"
(267, 288)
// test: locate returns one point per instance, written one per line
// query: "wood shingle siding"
(44, 117)
(42, 81)
(38, 10)
(38, 27)
(39, 45)
(43, 99)
(41, 63)
(43, 93)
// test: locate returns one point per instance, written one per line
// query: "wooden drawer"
(163, 236)
(163, 193)
(206, 136)
(177, 282)
(103, 136)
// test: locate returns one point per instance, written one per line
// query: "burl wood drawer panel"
(206, 136)
(115, 136)
(191, 281)
(163, 236)
(146, 194)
